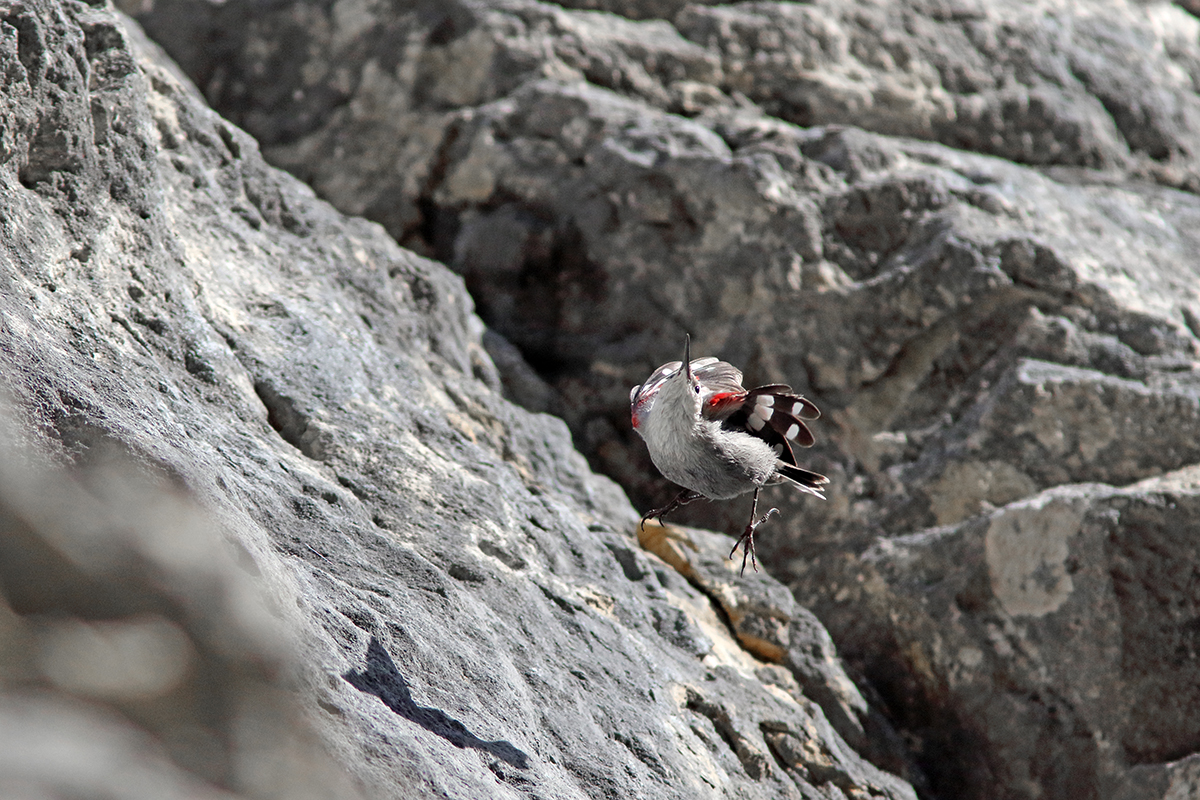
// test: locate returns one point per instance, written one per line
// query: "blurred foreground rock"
(138, 660)
(261, 500)
(968, 230)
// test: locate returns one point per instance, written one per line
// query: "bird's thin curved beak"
(687, 356)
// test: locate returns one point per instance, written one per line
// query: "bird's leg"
(681, 499)
(748, 534)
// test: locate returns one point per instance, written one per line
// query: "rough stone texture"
(978, 331)
(768, 622)
(1101, 85)
(137, 661)
(1071, 618)
(456, 605)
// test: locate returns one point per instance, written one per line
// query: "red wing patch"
(722, 404)
(777, 416)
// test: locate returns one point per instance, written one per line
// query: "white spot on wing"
(755, 422)
(764, 413)
(765, 400)
(792, 431)
(778, 450)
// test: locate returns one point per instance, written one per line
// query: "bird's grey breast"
(718, 464)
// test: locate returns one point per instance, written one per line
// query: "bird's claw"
(682, 499)
(748, 537)
(657, 514)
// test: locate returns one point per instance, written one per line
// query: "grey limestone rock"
(967, 230)
(268, 528)
(1060, 630)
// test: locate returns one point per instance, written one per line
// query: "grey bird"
(712, 436)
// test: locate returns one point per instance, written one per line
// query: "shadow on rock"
(382, 679)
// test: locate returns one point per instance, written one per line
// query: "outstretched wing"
(718, 381)
(642, 393)
(717, 377)
(721, 387)
(774, 414)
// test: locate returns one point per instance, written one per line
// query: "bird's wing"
(717, 376)
(654, 382)
(720, 387)
(777, 416)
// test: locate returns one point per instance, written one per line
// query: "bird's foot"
(681, 499)
(746, 542)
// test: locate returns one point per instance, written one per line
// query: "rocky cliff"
(270, 528)
(276, 522)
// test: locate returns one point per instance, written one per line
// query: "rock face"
(269, 529)
(1059, 633)
(968, 230)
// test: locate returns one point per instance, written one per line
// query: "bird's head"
(673, 385)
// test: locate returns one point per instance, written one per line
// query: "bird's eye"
(696, 388)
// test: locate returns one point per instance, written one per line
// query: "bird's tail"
(811, 482)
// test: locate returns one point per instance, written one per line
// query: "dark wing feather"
(776, 415)
(807, 480)
(781, 412)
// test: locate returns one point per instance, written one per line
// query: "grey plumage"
(710, 435)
